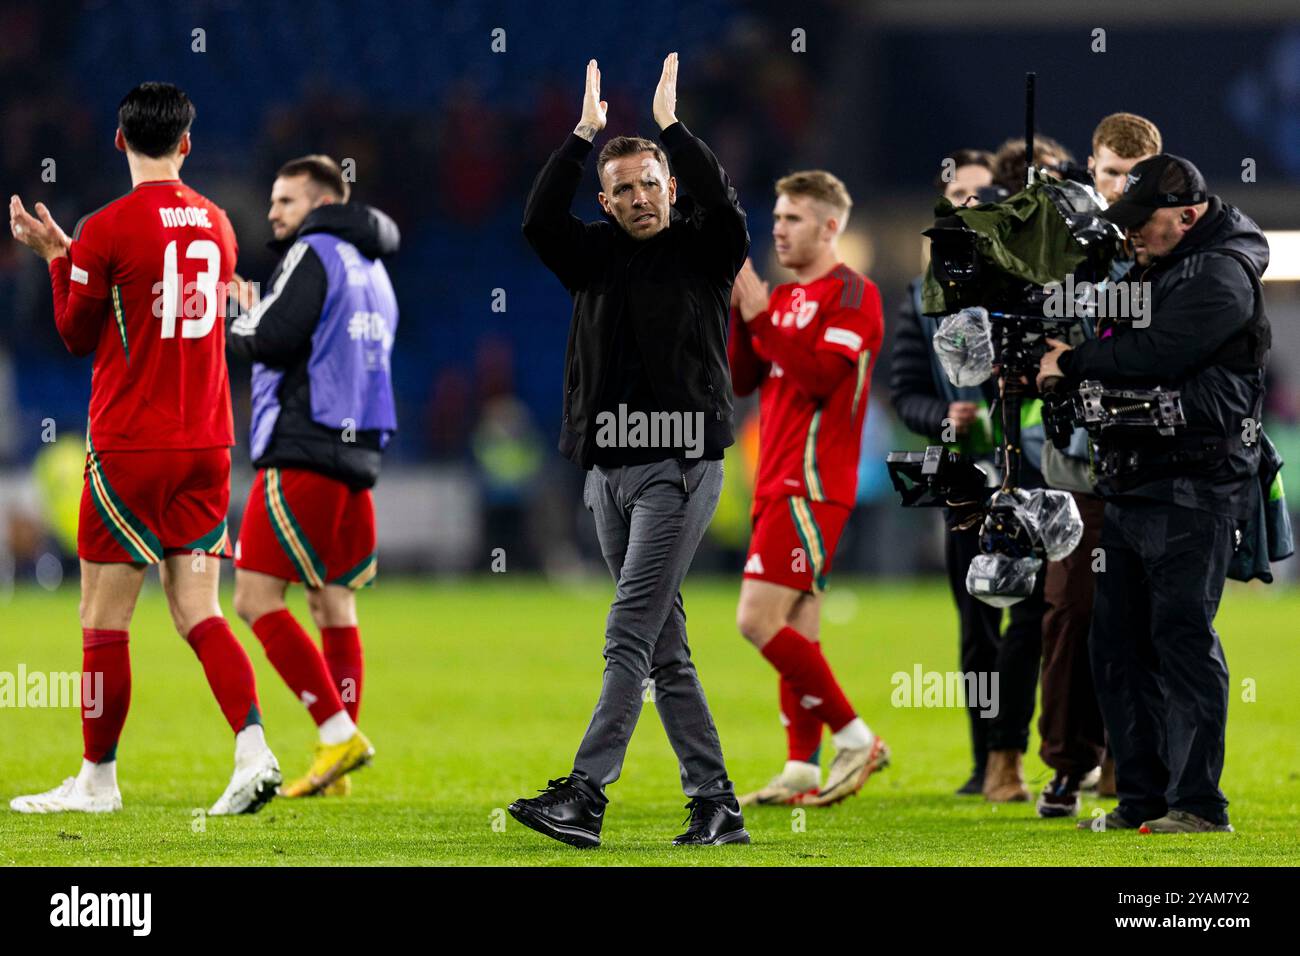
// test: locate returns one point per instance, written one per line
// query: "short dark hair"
(960, 158)
(621, 146)
(320, 169)
(153, 117)
(1010, 168)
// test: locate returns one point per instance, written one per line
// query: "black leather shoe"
(562, 812)
(713, 822)
(974, 787)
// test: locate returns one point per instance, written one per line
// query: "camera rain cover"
(1041, 234)
(1001, 581)
(1055, 520)
(964, 344)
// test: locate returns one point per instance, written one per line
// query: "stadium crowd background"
(447, 133)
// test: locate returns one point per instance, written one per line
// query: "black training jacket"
(282, 338)
(1208, 338)
(672, 291)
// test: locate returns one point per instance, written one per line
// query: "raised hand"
(42, 235)
(665, 104)
(750, 292)
(593, 107)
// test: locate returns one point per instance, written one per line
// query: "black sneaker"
(712, 822)
(563, 812)
(1060, 798)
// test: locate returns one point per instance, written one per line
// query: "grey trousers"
(649, 527)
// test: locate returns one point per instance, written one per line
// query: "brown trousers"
(1069, 721)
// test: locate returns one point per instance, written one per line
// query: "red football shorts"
(301, 526)
(138, 506)
(793, 542)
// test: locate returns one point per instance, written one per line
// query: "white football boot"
(256, 778)
(850, 771)
(72, 796)
(795, 784)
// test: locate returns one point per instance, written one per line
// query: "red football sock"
(343, 655)
(803, 729)
(800, 661)
(296, 658)
(106, 669)
(230, 672)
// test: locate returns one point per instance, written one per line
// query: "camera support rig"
(997, 322)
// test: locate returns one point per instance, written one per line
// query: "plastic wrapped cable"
(1001, 581)
(1055, 520)
(964, 344)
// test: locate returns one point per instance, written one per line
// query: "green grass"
(478, 691)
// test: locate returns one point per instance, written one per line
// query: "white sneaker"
(253, 785)
(69, 797)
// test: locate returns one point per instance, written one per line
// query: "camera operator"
(931, 406)
(1069, 722)
(1173, 503)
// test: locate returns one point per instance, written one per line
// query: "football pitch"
(477, 691)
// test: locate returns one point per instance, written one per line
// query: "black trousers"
(1013, 656)
(1159, 669)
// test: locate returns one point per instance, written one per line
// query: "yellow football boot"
(342, 787)
(331, 764)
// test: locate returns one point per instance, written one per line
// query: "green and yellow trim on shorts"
(811, 537)
(310, 567)
(216, 541)
(129, 531)
(362, 576)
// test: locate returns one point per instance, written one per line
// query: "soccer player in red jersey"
(141, 285)
(809, 349)
(323, 411)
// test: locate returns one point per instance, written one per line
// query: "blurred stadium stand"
(446, 136)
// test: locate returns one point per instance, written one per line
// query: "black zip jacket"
(670, 293)
(281, 339)
(1208, 338)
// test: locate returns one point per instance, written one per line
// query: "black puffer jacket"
(1208, 338)
(911, 375)
(281, 339)
(671, 292)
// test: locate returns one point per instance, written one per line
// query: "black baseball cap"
(1157, 182)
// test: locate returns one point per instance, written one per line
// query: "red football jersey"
(144, 288)
(810, 448)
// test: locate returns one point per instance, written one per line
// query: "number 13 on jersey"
(204, 285)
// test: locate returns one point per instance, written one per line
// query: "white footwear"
(795, 784)
(850, 770)
(253, 785)
(69, 797)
